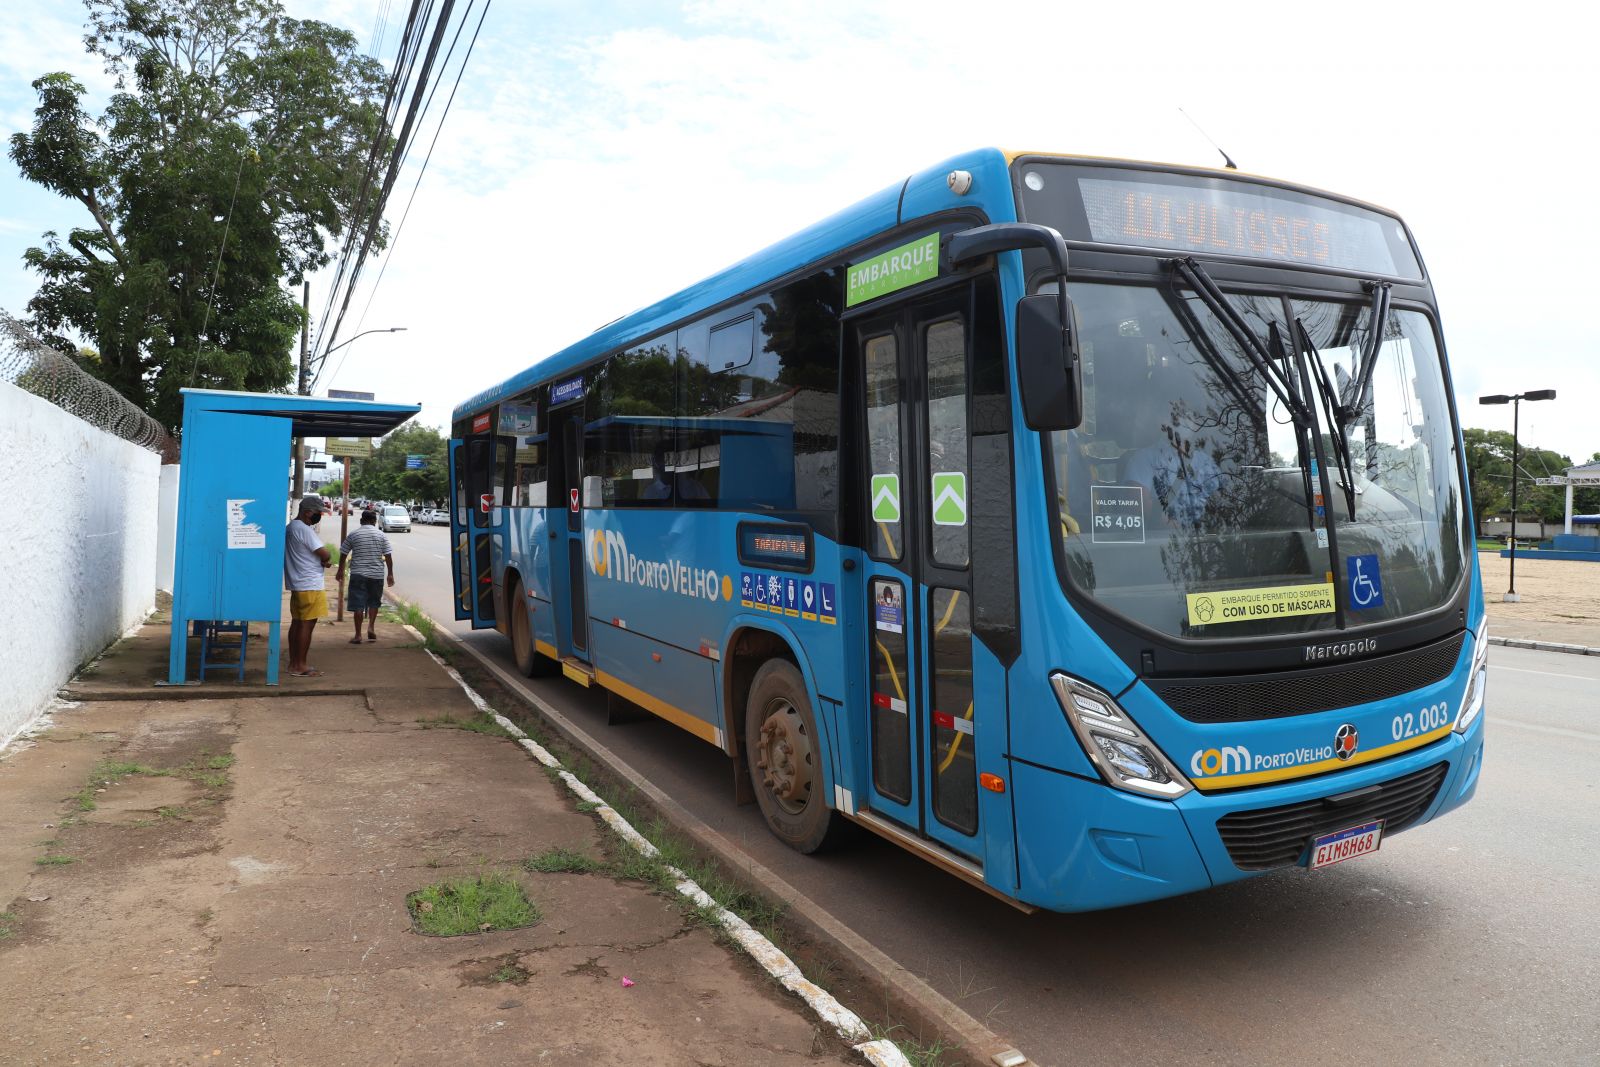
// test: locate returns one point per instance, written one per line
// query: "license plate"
(1347, 844)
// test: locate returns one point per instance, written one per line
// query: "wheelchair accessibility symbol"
(1364, 582)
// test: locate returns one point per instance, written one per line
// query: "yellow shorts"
(308, 604)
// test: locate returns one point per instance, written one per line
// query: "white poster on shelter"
(242, 534)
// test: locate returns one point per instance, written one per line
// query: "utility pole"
(298, 487)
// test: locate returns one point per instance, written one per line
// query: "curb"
(908, 995)
(1544, 646)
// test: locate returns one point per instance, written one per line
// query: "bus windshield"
(1195, 502)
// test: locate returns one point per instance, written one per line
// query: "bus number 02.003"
(1425, 721)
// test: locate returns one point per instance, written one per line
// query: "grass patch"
(108, 773)
(562, 860)
(55, 860)
(170, 812)
(488, 901)
(8, 924)
(479, 723)
(399, 611)
(919, 1054)
(510, 972)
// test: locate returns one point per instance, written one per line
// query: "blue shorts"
(366, 594)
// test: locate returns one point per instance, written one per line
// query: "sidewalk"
(1560, 600)
(219, 874)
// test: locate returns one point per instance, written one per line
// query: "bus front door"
(922, 710)
(477, 525)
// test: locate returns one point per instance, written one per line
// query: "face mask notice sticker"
(1246, 605)
(1118, 514)
(888, 612)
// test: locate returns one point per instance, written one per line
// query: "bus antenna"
(1231, 165)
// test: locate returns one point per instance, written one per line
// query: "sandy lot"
(1560, 599)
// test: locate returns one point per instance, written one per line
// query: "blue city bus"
(1094, 529)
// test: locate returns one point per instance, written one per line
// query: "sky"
(599, 157)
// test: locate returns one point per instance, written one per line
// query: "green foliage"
(1489, 479)
(383, 476)
(228, 119)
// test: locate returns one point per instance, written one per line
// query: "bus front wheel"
(784, 753)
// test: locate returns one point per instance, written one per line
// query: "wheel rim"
(783, 756)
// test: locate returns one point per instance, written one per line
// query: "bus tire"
(529, 661)
(783, 751)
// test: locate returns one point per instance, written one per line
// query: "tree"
(383, 476)
(1489, 478)
(230, 155)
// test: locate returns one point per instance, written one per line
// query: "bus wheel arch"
(780, 744)
(519, 628)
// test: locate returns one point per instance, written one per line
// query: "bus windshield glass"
(1195, 502)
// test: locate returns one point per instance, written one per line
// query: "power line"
(406, 51)
(400, 227)
(401, 144)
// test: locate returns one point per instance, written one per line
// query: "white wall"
(78, 519)
(167, 528)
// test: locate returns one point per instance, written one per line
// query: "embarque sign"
(898, 268)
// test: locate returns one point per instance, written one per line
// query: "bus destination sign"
(1253, 222)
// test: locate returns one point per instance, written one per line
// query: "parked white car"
(393, 519)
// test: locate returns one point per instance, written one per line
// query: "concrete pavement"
(220, 874)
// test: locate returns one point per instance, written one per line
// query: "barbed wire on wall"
(35, 367)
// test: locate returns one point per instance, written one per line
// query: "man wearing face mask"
(304, 559)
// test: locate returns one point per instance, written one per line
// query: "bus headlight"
(1477, 681)
(1119, 750)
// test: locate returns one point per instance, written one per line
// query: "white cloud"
(598, 159)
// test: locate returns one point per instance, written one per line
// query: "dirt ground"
(1560, 599)
(225, 881)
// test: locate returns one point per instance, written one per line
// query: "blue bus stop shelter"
(231, 504)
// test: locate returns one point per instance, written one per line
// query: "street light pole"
(1515, 400)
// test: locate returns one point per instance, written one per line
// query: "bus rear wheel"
(784, 753)
(529, 661)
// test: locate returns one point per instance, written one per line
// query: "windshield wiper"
(1361, 386)
(1217, 302)
(1334, 411)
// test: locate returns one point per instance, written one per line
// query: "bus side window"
(628, 425)
(759, 430)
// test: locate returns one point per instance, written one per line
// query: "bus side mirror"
(1048, 369)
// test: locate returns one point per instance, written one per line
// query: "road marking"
(1546, 674)
(1558, 731)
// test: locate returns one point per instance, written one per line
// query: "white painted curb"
(846, 1023)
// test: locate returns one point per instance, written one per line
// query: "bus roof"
(919, 194)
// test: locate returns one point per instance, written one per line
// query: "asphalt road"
(1474, 939)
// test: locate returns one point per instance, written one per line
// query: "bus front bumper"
(1084, 846)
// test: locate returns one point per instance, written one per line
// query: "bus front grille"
(1240, 698)
(1265, 838)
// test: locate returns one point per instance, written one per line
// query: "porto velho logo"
(1230, 759)
(1237, 759)
(609, 558)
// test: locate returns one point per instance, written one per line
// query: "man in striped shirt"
(367, 552)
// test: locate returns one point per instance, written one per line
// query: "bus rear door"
(477, 524)
(923, 712)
